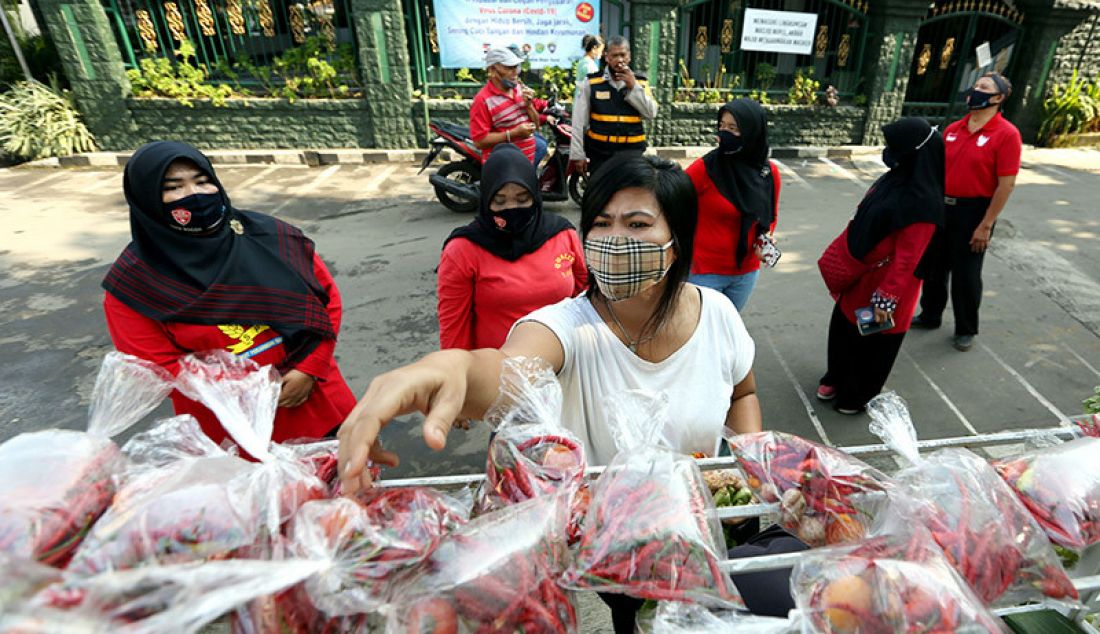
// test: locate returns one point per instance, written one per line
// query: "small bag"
(839, 268)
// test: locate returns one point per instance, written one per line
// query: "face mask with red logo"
(197, 213)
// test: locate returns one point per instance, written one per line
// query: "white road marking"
(801, 393)
(308, 188)
(1062, 418)
(255, 178)
(843, 172)
(375, 183)
(36, 183)
(942, 395)
(793, 174)
(1082, 360)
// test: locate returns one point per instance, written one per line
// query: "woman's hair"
(675, 196)
(590, 42)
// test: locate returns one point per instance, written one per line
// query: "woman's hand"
(434, 386)
(881, 316)
(297, 386)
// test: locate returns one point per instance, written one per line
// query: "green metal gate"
(710, 33)
(224, 32)
(945, 63)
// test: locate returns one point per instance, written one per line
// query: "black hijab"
(508, 164)
(252, 269)
(745, 178)
(911, 192)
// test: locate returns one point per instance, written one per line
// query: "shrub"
(1069, 110)
(804, 90)
(37, 122)
(181, 80)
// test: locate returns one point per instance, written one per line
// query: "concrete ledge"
(360, 156)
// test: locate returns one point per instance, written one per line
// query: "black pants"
(858, 365)
(597, 157)
(624, 611)
(954, 259)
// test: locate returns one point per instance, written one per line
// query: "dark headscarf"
(508, 164)
(252, 269)
(745, 178)
(909, 193)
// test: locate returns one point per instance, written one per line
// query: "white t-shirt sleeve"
(562, 319)
(743, 345)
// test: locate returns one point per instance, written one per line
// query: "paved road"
(380, 230)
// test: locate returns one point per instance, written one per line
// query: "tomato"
(433, 616)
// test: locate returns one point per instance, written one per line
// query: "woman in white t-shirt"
(641, 326)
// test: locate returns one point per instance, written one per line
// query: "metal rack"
(1085, 576)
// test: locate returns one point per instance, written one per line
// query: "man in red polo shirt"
(982, 159)
(504, 110)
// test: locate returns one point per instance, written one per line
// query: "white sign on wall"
(778, 31)
(548, 32)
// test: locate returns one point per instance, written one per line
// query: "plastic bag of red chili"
(186, 499)
(825, 496)
(191, 509)
(652, 530)
(371, 543)
(531, 454)
(892, 583)
(497, 573)
(1060, 486)
(984, 530)
(244, 396)
(58, 481)
(156, 598)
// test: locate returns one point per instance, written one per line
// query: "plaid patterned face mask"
(625, 266)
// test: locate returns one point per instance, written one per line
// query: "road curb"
(359, 156)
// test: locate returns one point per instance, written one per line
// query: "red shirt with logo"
(975, 161)
(482, 295)
(496, 111)
(165, 342)
(719, 226)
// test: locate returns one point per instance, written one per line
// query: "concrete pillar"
(1049, 49)
(894, 27)
(653, 49)
(386, 70)
(93, 64)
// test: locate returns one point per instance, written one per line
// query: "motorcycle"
(457, 183)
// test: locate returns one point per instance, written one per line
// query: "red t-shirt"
(482, 295)
(719, 225)
(495, 111)
(975, 161)
(164, 343)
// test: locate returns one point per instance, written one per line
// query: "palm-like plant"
(37, 122)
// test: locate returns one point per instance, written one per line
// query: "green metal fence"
(229, 35)
(709, 41)
(438, 82)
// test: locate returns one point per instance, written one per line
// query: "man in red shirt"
(504, 110)
(982, 158)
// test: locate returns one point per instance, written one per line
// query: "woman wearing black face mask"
(512, 259)
(888, 237)
(201, 275)
(738, 190)
(983, 158)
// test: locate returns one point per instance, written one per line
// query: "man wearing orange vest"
(608, 109)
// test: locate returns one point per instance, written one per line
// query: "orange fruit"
(843, 600)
